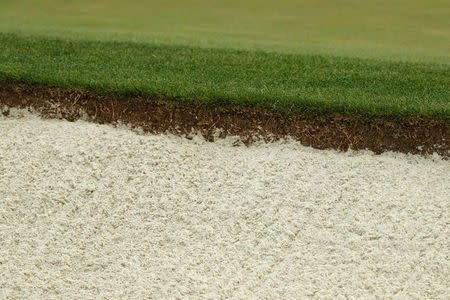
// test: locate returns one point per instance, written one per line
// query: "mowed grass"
(413, 30)
(223, 77)
(370, 57)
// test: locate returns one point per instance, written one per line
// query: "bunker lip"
(414, 135)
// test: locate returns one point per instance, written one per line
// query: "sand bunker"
(89, 210)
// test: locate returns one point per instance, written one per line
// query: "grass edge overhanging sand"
(416, 135)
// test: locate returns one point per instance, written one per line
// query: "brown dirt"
(406, 134)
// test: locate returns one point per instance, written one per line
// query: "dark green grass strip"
(230, 77)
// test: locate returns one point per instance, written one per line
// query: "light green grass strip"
(412, 30)
(230, 77)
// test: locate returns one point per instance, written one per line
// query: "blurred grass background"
(413, 30)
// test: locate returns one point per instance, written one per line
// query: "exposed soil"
(403, 134)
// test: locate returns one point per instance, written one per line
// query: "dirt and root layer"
(414, 135)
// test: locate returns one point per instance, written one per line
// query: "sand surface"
(91, 211)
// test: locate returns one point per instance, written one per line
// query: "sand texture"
(91, 211)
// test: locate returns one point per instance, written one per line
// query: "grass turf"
(323, 55)
(230, 77)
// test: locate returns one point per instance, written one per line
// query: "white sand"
(89, 211)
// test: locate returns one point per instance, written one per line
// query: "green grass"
(230, 77)
(413, 30)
